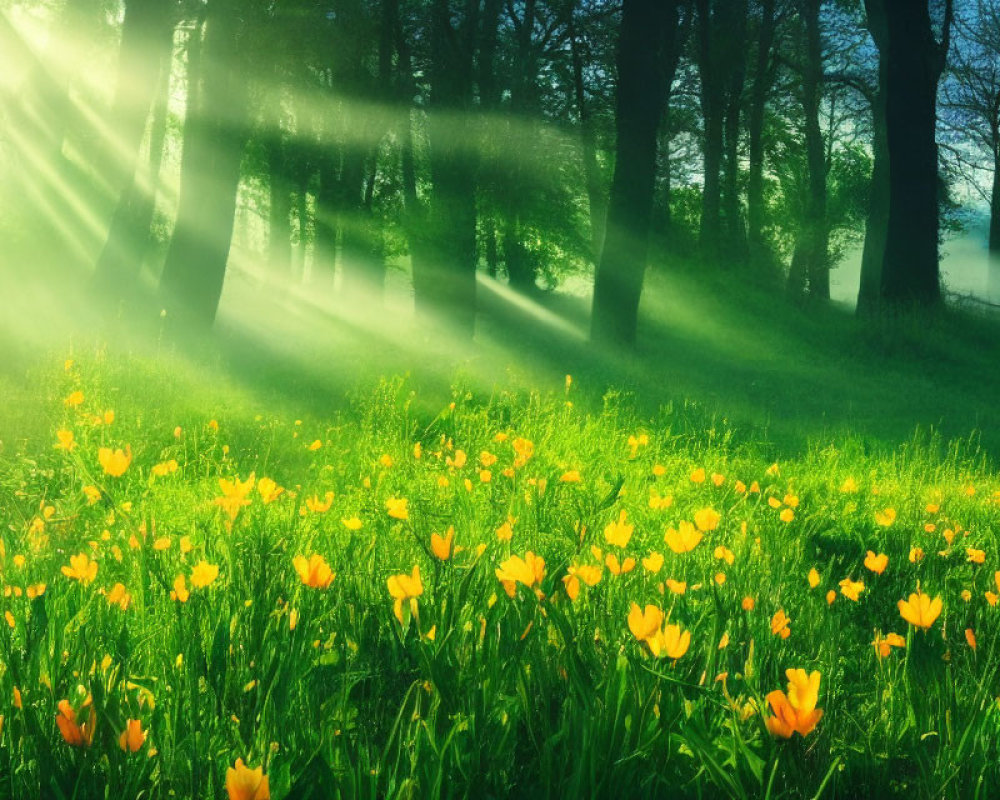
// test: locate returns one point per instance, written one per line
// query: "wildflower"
(724, 554)
(619, 568)
(119, 596)
(683, 540)
(852, 589)
(876, 563)
(795, 712)
(975, 556)
(505, 532)
(316, 445)
(677, 587)
(76, 734)
(707, 519)
(698, 475)
(317, 506)
(885, 517)
(115, 462)
(352, 523)
(530, 570)
(970, 638)
(653, 562)
(133, 737)
(645, 625)
(314, 572)
(81, 568)
(780, 624)
(92, 493)
(74, 399)
(405, 587)
(786, 515)
(442, 546)
(243, 783)
(883, 645)
(619, 532)
(748, 603)
(66, 440)
(570, 476)
(813, 578)
(916, 554)
(269, 490)
(920, 610)
(234, 495)
(180, 591)
(203, 574)
(398, 508)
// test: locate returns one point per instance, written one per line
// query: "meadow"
(511, 593)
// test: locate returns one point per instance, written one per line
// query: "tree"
(618, 283)
(914, 62)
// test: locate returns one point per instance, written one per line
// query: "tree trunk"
(817, 232)
(279, 239)
(713, 111)
(215, 133)
(734, 76)
(618, 284)
(761, 89)
(910, 273)
(144, 62)
(995, 198)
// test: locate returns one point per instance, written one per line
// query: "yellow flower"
(723, 553)
(876, 563)
(442, 546)
(570, 476)
(653, 562)
(795, 712)
(115, 462)
(671, 641)
(269, 490)
(916, 554)
(883, 645)
(970, 638)
(644, 623)
(780, 623)
(530, 570)
(813, 578)
(398, 507)
(317, 506)
(316, 445)
(165, 468)
(133, 737)
(920, 610)
(234, 494)
(119, 596)
(698, 475)
(203, 574)
(619, 568)
(66, 440)
(658, 502)
(180, 591)
(81, 568)
(707, 519)
(314, 571)
(92, 493)
(683, 540)
(619, 532)
(852, 589)
(243, 783)
(748, 603)
(352, 523)
(405, 587)
(976, 556)
(786, 515)
(75, 399)
(885, 517)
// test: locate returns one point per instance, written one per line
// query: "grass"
(471, 692)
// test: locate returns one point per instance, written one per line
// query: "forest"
(499, 398)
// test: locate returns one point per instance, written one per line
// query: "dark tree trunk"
(910, 271)
(713, 113)
(618, 284)
(596, 194)
(143, 81)
(877, 219)
(759, 93)
(734, 71)
(995, 196)
(215, 133)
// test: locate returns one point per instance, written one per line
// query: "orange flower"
(677, 587)
(76, 734)
(813, 578)
(619, 568)
(269, 490)
(66, 440)
(133, 737)
(876, 563)
(314, 571)
(920, 610)
(795, 712)
(852, 589)
(317, 506)
(119, 596)
(180, 591)
(115, 462)
(883, 645)
(653, 562)
(234, 495)
(780, 624)
(970, 637)
(443, 546)
(243, 783)
(885, 517)
(570, 476)
(975, 556)
(645, 625)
